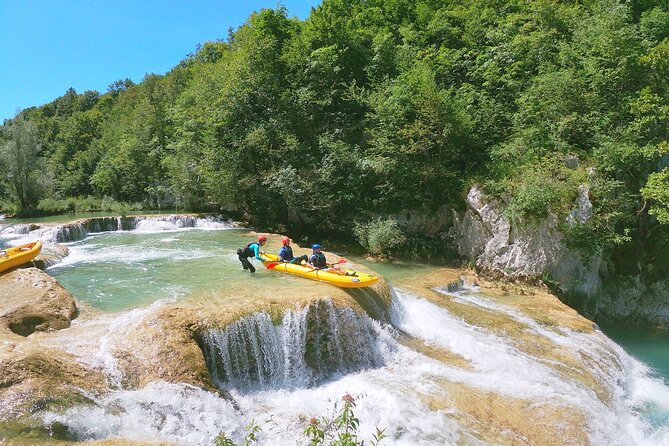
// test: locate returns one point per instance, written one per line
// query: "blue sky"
(48, 46)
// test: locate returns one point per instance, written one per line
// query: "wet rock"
(34, 301)
(51, 254)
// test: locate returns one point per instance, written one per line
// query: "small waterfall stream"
(306, 347)
(80, 229)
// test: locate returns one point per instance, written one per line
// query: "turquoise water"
(648, 344)
(120, 270)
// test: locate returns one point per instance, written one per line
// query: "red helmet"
(262, 238)
(285, 240)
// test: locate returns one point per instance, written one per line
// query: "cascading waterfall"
(69, 233)
(295, 366)
(309, 345)
(500, 367)
(17, 230)
(79, 230)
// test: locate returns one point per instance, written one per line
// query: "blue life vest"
(286, 254)
(317, 259)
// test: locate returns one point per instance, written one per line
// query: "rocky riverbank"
(64, 363)
(515, 251)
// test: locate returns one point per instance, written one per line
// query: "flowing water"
(281, 372)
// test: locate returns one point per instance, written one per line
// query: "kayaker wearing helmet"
(286, 253)
(251, 250)
(318, 261)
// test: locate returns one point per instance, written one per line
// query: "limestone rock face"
(485, 235)
(34, 301)
(632, 300)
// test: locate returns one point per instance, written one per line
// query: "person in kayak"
(318, 261)
(286, 253)
(251, 250)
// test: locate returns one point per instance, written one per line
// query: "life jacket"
(318, 260)
(247, 251)
(286, 253)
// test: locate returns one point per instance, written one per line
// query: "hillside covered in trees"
(371, 107)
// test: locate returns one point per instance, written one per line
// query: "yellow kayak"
(353, 279)
(18, 255)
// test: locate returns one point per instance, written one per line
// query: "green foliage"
(21, 164)
(339, 430)
(252, 431)
(223, 440)
(657, 191)
(342, 430)
(379, 237)
(50, 206)
(547, 185)
(610, 223)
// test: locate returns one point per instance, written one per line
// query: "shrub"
(379, 237)
(121, 208)
(52, 206)
(540, 188)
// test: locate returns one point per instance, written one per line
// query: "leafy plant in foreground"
(341, 430)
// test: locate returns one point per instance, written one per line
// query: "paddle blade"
(271, 265)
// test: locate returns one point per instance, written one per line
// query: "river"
(122, 273)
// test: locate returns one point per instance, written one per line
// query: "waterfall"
(79, 230)
(69, 233)
(20, 229)
(305, 348)
(290, 367)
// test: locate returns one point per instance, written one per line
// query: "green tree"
(20, 163)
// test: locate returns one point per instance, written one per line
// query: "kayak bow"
(18, 255)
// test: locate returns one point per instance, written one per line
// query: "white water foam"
(175, 413)
(398, 394)
(127, 253)
(172, 223)
(94, 342)
(634, 390)
(389, 401)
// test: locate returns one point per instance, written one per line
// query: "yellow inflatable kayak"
(18, 255)
(353, 279)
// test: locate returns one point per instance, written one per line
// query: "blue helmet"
(315, 246)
